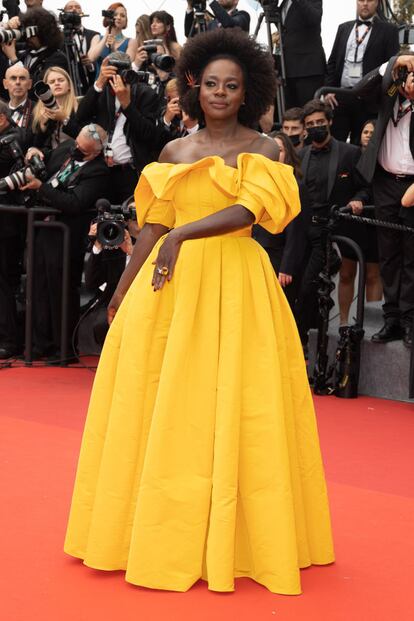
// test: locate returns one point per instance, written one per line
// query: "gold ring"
(163, 271)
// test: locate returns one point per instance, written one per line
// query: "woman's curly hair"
(233, 44)
(47, 28)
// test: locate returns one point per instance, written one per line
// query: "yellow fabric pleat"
(200, 455)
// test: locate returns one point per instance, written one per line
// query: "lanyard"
(402, 111)
(359, 40)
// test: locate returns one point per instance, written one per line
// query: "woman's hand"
(114, 304)
(166, 260)
(285, 279)
(55, 114)
(141, 57)
(33, 151)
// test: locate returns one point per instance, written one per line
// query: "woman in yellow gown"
(200, 455)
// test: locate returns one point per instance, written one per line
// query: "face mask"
(318, 134)
(295, 140)
(77, 155)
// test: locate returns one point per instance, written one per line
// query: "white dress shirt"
(354, 55)
(395, 154)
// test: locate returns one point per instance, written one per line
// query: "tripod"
(73, 55)
(199, 24)
(272, 14)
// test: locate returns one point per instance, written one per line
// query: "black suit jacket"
(375, 87)
(140, 127)
(9, 223)
(344, 182)
(382, 44)
(234, 19)
(301, 37)
(46, 59)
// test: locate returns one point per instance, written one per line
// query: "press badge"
(355, 70)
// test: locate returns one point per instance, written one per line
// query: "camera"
(110, 17)
(111, 222)
(128, 75)
(11, 141)
(160, 61)
(7, 35)
(200, 6)
(16, 180)
(43, 92)
(70, 20)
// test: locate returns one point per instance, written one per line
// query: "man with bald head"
(17, 83)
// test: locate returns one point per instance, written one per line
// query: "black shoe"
(407, 336)
(389, 332)
(7, 352)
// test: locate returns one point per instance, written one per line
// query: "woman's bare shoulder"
(171, 152)
(266, 146)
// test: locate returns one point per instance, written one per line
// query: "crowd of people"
(83, 112)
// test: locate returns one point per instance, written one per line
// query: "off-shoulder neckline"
(219, 157)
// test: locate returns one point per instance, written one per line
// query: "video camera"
(112, 221)
(7, 35)
(70, 20)
(160, 61)
(128, 75)
(16, 180)
(43, 92)
(109, 15)
(200, 6)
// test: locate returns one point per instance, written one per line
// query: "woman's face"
(59, 85)
(120, 18)
(222, 89)
(158, 28)
(282, 151)
(366, 134)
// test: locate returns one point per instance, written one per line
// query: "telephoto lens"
(43, 92)
(7, 35)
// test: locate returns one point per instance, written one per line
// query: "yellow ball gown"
(200, 456)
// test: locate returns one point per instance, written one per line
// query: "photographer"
(82, 40)
(44, 47)
(76, 177)
(17, 83)
(226, 15)
(11, 236)
(128, 112)
(388, 162)
(55, 121)
(115, 21)
(175, 120)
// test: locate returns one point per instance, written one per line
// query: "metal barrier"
(30, 213)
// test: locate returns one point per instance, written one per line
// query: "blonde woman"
(51, 126)
(143, 29)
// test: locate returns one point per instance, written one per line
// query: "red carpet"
(368, 451)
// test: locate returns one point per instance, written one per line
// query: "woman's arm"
(225, 221)
(96, 49)
(146, 240)
(132, 49)
(408, 198)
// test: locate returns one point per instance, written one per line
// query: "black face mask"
(318, 134)
(77, 155)
(295, 140)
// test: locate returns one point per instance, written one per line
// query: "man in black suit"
(11, 228)
(360, 46)
(388, 162)
(43, 47)
(226, 15)
(76, 178)
(329, 173)
(128, 114)
(304, 55)
(83, 39)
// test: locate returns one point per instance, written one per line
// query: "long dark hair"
(291, 156)
(167, 20)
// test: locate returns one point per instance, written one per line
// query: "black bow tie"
(360, 22)
(19, 109)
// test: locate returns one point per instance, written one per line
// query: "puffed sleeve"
(152, 206)
(269, 190)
